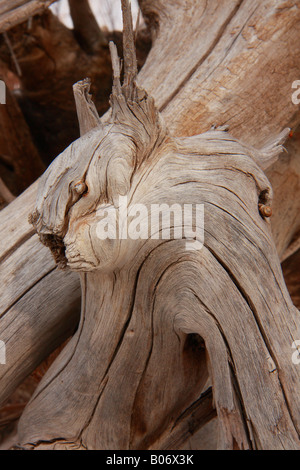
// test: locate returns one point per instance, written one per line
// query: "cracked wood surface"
(224, 44)
(233, 68)
(245, 318)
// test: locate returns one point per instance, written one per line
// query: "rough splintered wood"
(13, 12)
(232, 65)
(85, 25)
(88, 117)
(225, 38)
(285, 179)
(154, 307)
(34, 306)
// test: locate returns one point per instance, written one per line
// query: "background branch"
(86, 28)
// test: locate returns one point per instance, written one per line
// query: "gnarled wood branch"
(262, 317)
(13, 12)
(86, 28)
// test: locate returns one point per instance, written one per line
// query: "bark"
(239, 262)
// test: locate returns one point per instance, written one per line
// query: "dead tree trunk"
(17, 147)
(157, 319)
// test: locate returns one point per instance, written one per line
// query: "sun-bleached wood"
(204, 168)
(285, 179)
(13, 12)
(5, 193)
(37, 314)
(146, 300)
(246, 124)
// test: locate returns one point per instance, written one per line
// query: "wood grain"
(13, 12)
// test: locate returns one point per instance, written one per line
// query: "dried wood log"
(232, 66)
(51, 58)
(272, 121)
(20, 163)
(13, 12)
(145, 298)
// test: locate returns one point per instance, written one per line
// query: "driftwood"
(261, 359)
(46, 71)
(13, 12)
(17, 147)
(47, 74)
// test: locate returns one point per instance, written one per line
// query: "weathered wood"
(35, 306)
(87, 114)
(224, 43)
(190, 308)
(86, 28)
(17, 148)
(232, 66)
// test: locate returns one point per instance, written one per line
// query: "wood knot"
(265, 211)
(79, 187)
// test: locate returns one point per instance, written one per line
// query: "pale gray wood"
(189, 108)
(5, 193)
(29, 334)
(13, 12)
(144, 299)
(225, 52)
